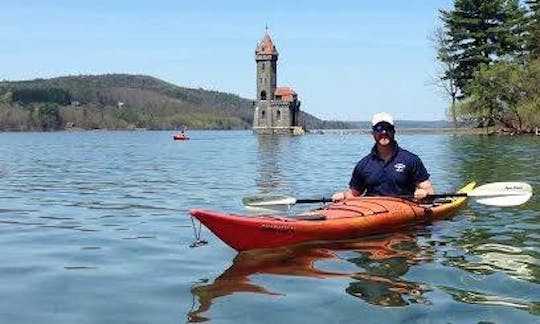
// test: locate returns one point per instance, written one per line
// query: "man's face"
(383, 133)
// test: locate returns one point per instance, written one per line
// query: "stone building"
(277, 108)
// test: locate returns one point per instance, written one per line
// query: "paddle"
(492, 194)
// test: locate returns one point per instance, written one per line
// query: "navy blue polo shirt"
(397, 176)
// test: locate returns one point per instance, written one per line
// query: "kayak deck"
(336, 221)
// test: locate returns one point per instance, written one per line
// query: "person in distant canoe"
(388, 170)
(182, 132)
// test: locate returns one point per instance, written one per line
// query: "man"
(388, 170)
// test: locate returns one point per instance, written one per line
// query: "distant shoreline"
(345, 131)
(423, 130)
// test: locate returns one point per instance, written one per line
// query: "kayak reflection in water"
(388, 170)
(382, 261)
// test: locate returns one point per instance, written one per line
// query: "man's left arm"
(423, 186)
(423, 189)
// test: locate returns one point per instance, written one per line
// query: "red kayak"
(337, 221)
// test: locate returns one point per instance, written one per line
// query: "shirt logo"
(399, 167)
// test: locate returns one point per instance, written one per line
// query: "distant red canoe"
(180, 137)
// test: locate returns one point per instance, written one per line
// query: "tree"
(507, 93)
(446, 80)
(49, 116)
(513, 33)
(481, 32)
(533, 29)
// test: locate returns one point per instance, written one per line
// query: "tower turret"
(266, 56)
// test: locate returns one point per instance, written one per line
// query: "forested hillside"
(121, 101)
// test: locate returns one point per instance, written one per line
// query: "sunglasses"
(383, 127)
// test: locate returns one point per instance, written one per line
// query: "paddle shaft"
(444, 195)
(309, 201)
(325, 200)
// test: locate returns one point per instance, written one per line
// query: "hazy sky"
(345, 59)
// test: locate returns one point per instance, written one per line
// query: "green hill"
(122, 101)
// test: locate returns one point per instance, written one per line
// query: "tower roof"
(284, 91)
(285, 94)
(266, 46)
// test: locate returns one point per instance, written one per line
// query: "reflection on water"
(384, 263)
(495, 158)
(516, 262)
(498, 257)
(269, 173)
(381, 261)
(485, 299)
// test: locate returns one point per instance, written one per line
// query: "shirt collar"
(394, 153)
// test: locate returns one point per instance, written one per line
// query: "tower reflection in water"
(270, 177)
(382, 260)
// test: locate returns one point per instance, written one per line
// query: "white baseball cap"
(382, 117)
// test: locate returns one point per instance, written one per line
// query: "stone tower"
(276, 108)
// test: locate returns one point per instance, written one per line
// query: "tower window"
(279, 114)
(262, 113)
(263, 97)
(262, 67)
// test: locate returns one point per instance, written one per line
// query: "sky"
(346, 59)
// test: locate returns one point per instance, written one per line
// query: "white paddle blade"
(503, 201)
(502, 193)
(268, 201)
(501, 189)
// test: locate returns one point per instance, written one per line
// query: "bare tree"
(445, 78)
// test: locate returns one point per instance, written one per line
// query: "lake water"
(94, 228)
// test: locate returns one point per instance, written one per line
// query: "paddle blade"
(504, 201)
(502, 193)
(268, 201)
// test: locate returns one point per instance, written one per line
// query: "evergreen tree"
(534, 29)
(481, 32)
(512, 36)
